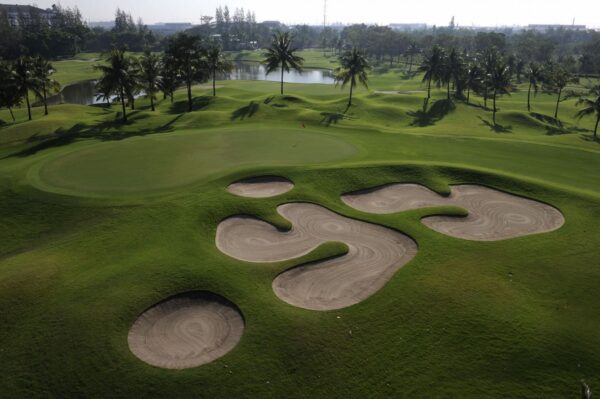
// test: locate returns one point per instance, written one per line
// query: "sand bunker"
(186, 331)
(261, 187)
(375, 254)
(493, 215)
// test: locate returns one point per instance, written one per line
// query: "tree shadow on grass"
(334, 118)
(496, 127)
(590, 138)
(104, 131)
(245, 112)
(198, 103)
(428, 117)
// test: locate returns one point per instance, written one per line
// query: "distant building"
(546, 28)
(17, 14)
(272, 24)
(169, 28)
(408, 27)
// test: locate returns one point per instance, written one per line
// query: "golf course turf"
(102, 221)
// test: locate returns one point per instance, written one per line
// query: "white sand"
(493, 215)
(261, 187)
(375, 254)
(186, 331)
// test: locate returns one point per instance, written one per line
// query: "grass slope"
(104, 219)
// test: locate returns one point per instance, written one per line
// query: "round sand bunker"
(186, 331)
(261, 187)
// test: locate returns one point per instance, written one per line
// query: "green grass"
(103, 219)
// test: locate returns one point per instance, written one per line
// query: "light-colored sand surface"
(493, 215)
(375, 254)
(261, 187)
(186, 331)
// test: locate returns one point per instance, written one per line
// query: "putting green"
(152, 164)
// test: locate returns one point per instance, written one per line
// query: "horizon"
(467, 13)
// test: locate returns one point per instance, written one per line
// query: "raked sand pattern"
(493, 215)
(375, 254)
(186, 331)
(261, 187)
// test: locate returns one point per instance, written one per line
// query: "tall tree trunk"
(485, 98)
(350, 100)
(468, 94)
(28, 105)
(45, 100)
(123, 104)
(152, 103)
(494, 117)
(448, 89)
(282, 80)
(189, 93)
(410, 64)
(214, 83)
(428, 89)
(529, 98)
(11, 113)
(557, 104)
(596, 128)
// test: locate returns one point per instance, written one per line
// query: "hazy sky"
(439, 12)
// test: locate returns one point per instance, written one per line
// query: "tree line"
(492, 74)
(190, 59)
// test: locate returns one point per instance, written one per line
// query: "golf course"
(269, 245)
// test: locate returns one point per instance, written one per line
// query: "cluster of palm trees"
(23, 76)
(185, 62)
(490, 74)
(281, 55)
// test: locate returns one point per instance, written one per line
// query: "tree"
(117, 76)
(150, 69)
(217, 63)
(353, 70)
(500, 83)
(557, 80)
(169, 78)
(42, 71)
(535, 75)
(592, 106)
(454, 70)
(24, 78)
(473, 79)
(490, 59)
(9, 94)
(187, 55)
(282, 55)
(433, 67)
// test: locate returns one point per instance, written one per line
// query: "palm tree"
(43, 70)
(433, 66)
(9, 94)
(24, 78)
(150, 69)
(473, 79)
(169, 78)
(454, 69)
(557, 80)
(217, 63)
(188, 58)
(500, 83)
(353, 70)
(535, 75)
(489, 61)
(592, 106)
(117, 75)
(413, 50)
(282, 55)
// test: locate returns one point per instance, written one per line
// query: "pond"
(84, 93)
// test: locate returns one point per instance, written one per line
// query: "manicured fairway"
(103, 221)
